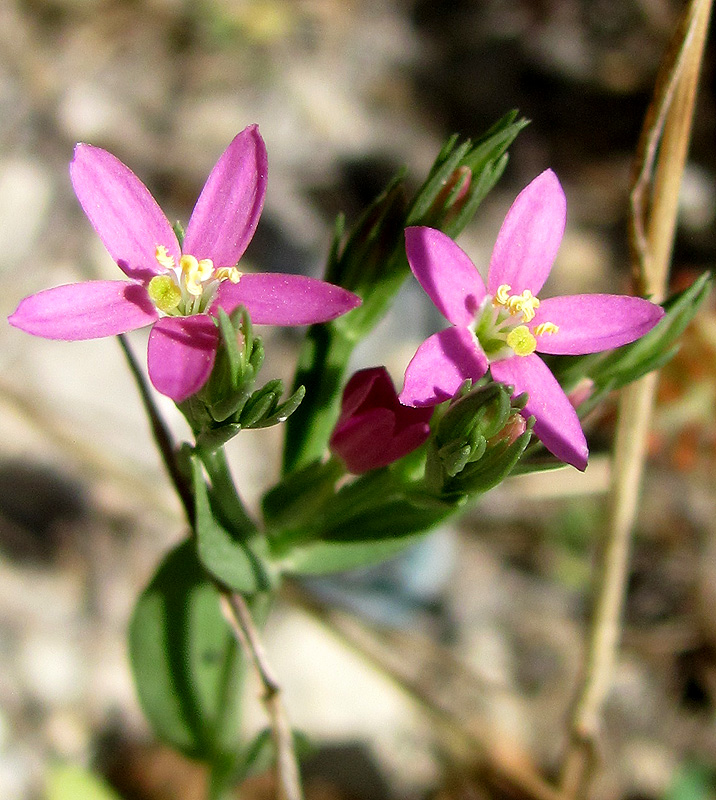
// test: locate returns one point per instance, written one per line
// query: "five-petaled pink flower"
(504, 324)
(177, 289)
(374, 429)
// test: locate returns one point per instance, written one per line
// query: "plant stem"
(662, 155)
(239, 617)
(161, 433)
(231, 507)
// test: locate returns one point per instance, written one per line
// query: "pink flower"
(503, 325)
(176, 289)
(374, 429)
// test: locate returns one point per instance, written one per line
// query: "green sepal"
(495, 465)
(461, 435)
(230, 557)
(178, 229)
(261, 403)
(263, 408)
(235, 356)
(214, 438)
(283, 410)
(187, 667)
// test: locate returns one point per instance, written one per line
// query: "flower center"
(188, 288)
(502, 324)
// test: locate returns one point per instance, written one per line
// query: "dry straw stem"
(239, 618)
(654, 204)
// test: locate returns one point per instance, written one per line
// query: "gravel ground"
(345, 93)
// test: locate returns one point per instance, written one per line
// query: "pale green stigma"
(521, 340)
(164, 293)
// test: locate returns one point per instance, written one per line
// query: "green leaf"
(324, 557)
(187, 667)
(692, 782)
(227, 557)
(367, 521)
(295, 501)
(260, 754)
(616, 368)
(71, 782)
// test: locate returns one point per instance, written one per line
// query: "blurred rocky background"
(491, 614)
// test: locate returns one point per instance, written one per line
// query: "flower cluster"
(176, 287)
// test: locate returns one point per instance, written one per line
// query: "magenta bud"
(581, 392)
(511, 432)
(374, 429)
(460, 179)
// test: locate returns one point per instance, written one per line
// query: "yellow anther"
(164, 293)
(502, 295)
(522, 341)
(546, 328)
(194, 272)
(163, 257)
(228, 273)
(524, 304)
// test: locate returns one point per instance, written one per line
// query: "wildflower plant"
(366, 472)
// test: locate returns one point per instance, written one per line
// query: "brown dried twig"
(654, 202)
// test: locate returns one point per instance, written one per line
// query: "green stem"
(322, 366)
(231, 507)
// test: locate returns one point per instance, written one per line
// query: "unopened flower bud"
(452, 196)
(374, 429)
(515, 426)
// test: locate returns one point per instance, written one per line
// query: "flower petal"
(530, 236)
(440, 365)
(123, 212)
(556, 423)
(181, 353)
(446, 273)
(228, 209)
(274, 298)
(85, 310)
(590, 323)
